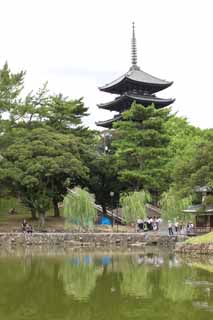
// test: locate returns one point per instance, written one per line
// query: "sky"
(79, 45)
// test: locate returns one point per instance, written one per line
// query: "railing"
(203, 229)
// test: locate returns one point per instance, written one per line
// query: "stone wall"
(87, 239)
(194, 249)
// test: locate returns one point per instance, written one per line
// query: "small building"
(115, 216)
(203, 217)
(203, 212)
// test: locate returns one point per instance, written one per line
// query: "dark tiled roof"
(128, 98)
(139, 76)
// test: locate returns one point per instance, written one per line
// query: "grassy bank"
(204, 239)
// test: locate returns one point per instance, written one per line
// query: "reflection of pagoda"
(135, 85)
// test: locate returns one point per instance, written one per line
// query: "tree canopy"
(45, 148)
(141, 148)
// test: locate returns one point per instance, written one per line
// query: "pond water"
(105, 286)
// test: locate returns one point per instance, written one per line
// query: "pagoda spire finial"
(134, 47)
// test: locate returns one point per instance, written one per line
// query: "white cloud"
(80, 45)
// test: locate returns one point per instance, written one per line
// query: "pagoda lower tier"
(125, 101)
(108, 123)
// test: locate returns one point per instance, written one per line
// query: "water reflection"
(79, 276)
(108, 286)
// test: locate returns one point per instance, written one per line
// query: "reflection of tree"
(136, 280)
(173, 284)
(79, 280)
(55, 288)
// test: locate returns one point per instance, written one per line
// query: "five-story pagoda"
(135, 85)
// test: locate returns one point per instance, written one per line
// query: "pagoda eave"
(138, 79)
(108, 123)
(128, 84)
(125, 101)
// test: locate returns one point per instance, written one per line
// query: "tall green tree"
(103, 179)
(141, 148)
(35, 162)
(197, 169)
(11, 85)
(48, 114)
(184, 139)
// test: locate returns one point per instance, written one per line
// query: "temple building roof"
(199, 208)
(137, 79)
(203, 189)
(125, 101)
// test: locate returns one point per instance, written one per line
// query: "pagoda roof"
(136, 78)
(108, 123)
(124, 102)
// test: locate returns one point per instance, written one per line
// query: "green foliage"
(208, 200)
(104, 179)
(43, 144)
(44, 148)
(197, 169)
(11, 85)
(141, 148)
(184, 140)
(133, 205)
(79, 207)
(172, 206)
(36, 160)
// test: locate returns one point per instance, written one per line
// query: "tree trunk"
(42, 218)
(103, 208)
(56, 208)
(33, 213)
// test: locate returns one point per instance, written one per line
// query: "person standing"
(170, 228)
(176, 226)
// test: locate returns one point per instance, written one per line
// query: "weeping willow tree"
(172, 206)
(79, 208)
(133, 205)
(79, 279)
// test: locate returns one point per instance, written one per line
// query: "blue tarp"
(105, 220)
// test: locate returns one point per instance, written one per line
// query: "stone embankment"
(194, 249)
(88, 239)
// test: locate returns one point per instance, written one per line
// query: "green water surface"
(101, 286)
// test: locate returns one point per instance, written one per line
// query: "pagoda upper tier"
(134, 86)
(136, 80)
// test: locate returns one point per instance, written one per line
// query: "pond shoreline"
(194, 249)
(134, 240)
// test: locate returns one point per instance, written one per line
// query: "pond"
(103, 286)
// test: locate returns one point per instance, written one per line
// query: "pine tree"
(141, 148)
